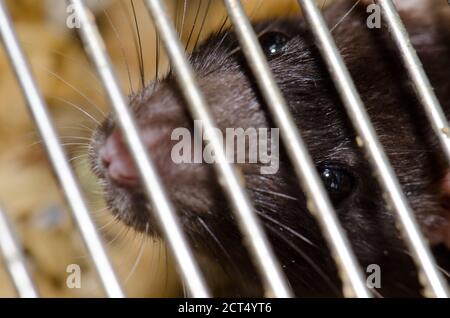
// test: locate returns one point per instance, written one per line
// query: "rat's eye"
(273, 43)
(338, 181)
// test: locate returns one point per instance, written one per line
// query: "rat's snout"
(117, 161)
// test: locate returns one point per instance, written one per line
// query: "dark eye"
(273, 43)
(338, 181)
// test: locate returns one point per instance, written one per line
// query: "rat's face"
(231, 93)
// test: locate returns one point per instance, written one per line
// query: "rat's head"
(231, 92)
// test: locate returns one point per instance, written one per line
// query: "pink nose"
(116, 158)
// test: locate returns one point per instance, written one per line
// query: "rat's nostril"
(123, 173)
(118, 162)
(104, 156)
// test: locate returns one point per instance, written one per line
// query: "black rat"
(231, 92)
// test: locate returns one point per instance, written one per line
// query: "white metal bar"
(395, 198)
(16, 264)
(57, 156)
(264, 258)
(423, 87)
(352, 278)
(155, 192)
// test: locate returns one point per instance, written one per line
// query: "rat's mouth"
(130, 207)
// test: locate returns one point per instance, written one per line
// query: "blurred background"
(76, 100)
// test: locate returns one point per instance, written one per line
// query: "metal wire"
(155, 192)
(352, 278)
(57, 156)
(10, 249)
(428, 273)
(423, 87)
(249, 224)
(318, 201)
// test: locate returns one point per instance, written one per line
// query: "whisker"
(80, 127)
(177, 16)
(193, 25)
(35, 134)
(443, 271)
(133, 33)
(84, 65)
(153, 260)
(77, 157)
(78, 108)
(305, 257)
(202, 26)
(75, 144)
(75, 137)
(345, 16)
(121, 46)
(166, 264)
(121, 232)
(287, 228)
(107, 224)
(278, 194)
(102, 212)
(76, 90)
(214, 237)
(224, 23)
(183, 20)
(141, 55)
(235, 50)
(157, 55)
(255, 9)
(139, 256)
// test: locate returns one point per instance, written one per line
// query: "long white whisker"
(139, 256)
(281, 195)
(287, 228)
(79, 92)
(345, 16)
(122, 49)
(304, 256)
(78, 108)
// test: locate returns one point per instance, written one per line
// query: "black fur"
(314, 103)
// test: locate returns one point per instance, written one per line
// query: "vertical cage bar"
(155, 192)
(422, 85)
(57, 156)
(11, 250)
(250, 226)
(352, 278)
(395, 199)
